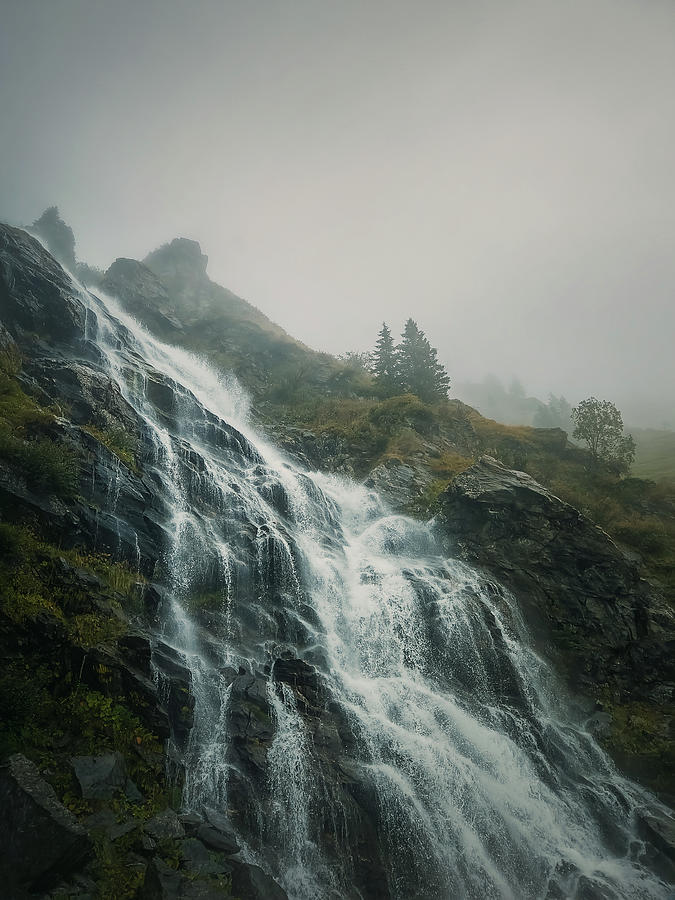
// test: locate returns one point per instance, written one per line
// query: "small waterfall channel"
(368, 712)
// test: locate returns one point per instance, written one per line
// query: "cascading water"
(455, 753)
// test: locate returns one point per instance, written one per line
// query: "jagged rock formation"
(171, 291)
(58, 236)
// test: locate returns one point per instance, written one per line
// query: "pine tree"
(419, 369)
(385, 363)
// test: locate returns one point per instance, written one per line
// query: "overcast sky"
(502, 171)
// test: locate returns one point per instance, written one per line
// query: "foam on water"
(485, 786)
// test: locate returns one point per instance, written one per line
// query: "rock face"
(399, 483)
(582, 595)
(41, 840)
(58, 236)
(142, 294)
(36, 295)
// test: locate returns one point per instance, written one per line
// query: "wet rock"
(175, 684)
(600, 724)
(40, 840)
(191, 822)
(228, 674)
(7, 343)
(99, 777)
(401, 484)
(304, 678)
(90, 396)
(161, 392)
(251, 883)
(36, 295)
(198, 860)
(215, 840)
(660, 825)
(250, 722)
(142, 293)
(217, 832)
(578, 587)
(165, 826)
(164, 883)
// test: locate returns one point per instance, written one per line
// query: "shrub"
(46, 465)
(406, 410)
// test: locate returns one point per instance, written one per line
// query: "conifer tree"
(385, 363)
(418, 367)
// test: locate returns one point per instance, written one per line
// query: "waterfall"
(456, 751)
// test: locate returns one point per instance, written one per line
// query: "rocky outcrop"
(41, 840)
(583, 597)
(142, 294)
(57, 235)
(574, 579)
(401, 484)
(36, 295)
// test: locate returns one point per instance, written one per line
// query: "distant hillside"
(655, 456)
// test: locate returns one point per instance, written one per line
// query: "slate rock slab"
(40, 840)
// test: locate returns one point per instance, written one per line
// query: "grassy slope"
(655, 457)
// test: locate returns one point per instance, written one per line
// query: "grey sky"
(501, 171)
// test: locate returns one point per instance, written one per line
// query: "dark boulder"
(401, 484)
(164, 883)
(217, 832)
(251, 883)
(201, 861)
(100, 776)
(40, 840)
(165, 825)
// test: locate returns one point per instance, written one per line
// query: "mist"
(500, 171)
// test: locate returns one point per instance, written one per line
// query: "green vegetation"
(32, 581)
(118, 441)
(654, 454)
(25, 442)
(639, 738)
(410, 367)
(58, 613)
(600, 425)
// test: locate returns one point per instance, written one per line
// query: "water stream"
(475, 777)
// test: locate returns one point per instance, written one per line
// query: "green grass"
(46, 464)
(118, 441)
(655, 454)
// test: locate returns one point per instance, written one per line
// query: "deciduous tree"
(600, 424)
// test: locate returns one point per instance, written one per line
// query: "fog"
(501, 171)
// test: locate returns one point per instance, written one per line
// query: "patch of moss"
(118, 441)
(639, 739)
(91, 629)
